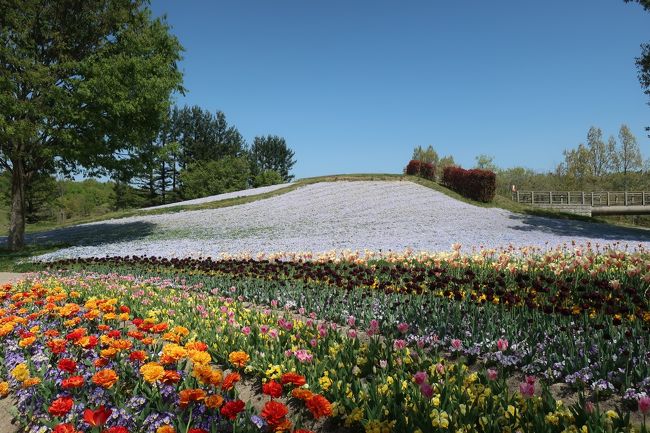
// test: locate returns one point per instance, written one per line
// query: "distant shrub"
(479, 185)
(422, 169)
(266, 178)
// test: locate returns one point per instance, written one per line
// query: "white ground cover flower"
(355, 215)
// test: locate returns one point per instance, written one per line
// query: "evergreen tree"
(272, 153)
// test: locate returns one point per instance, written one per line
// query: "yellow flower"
(611, 414)
(199, 357)
(174, 351)
(325, 382)
(26, 342)
(20, 372)
(152, 372)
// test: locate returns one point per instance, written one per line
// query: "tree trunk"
(17, 220)
(163, 181)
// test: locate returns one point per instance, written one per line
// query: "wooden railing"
(594, 199)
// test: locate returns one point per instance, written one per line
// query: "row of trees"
(197, 153)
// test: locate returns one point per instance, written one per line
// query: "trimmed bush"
(479, 185)
(421, 169)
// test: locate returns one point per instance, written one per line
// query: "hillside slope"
(386, 215)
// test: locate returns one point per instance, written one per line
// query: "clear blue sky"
(354, 85)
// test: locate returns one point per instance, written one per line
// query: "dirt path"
(7, 410)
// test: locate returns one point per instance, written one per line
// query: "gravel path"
(225, 196)
(338, 215)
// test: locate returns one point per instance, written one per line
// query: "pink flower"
(426, 390)
(403, 327)
(440, 369)
(351, 320)
(456, 343)
(383, 363)
(420, 377)
(274, 303)
(313, 342)
(644, 405)
(273, 333)
(527, 389)
(589, 407)
(421, 343)
(374, 327)
(301, 311)
(264, 329)
(502, 345)
(246, 330)
(303, 355)
(399, 344)
(531, 380)
(492, 374)
(352, 333)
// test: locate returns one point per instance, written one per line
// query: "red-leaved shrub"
(479, 185)
(422, 169)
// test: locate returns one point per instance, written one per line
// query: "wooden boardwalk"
(588, 203)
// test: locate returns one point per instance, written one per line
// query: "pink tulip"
(456, 343)
(420, 377)
(502, 345)
(644, 405)
(426, 390)
(492, 374)
(527, 389)
(403, 328)
(351, 320)
(399, 344)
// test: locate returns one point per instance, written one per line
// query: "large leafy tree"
(272, 153)
(643, 61)
(81, 82)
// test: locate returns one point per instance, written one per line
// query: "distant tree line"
(598, 164)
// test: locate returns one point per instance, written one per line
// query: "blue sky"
(354, 85)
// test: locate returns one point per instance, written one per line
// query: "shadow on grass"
(578, 228)
(89, 235)
(11, 261)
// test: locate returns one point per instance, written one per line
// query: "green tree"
(445, 161)
(80, 82)
(272, 153)
(485, 162)
(206, 178)
(266, 178)
(205, 137)
(577, 166)
(643, 61)
(602, 157)
(629, 155)
(425, 155)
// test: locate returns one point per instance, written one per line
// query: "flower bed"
(76, 363)
(399, 384)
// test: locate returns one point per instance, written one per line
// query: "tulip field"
(511, 340)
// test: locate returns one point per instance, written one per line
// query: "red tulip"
(98, 416)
